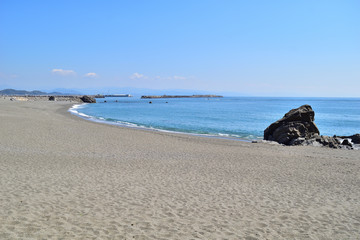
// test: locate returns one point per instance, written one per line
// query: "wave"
(74, 110)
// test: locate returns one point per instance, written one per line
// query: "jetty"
(118, 95)
(181, 96)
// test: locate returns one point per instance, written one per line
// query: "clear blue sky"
(262, 48)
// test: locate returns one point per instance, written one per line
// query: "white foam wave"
(74, 110)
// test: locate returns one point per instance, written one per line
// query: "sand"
(62, 177)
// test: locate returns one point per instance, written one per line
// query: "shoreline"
(73, 111)
(74, 107)
(64, 177)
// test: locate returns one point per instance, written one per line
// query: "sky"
(257, 48)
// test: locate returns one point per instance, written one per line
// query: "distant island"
(182, 96)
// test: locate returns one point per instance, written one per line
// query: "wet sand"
(62, 177)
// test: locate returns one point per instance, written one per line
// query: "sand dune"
(62, 177)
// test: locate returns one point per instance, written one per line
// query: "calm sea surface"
(239, 117)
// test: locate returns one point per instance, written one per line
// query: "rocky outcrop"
(297, 123)
(297, 127)
(87, 99)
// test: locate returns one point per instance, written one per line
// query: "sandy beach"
(62, 177)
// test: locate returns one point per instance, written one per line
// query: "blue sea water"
(238, 117)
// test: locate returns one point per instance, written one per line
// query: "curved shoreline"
(135, 126)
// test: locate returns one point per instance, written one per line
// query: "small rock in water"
(346, 142)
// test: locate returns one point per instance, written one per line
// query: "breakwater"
(181, 96)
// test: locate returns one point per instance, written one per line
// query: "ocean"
(234, 117)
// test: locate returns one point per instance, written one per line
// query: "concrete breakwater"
(181, 96)
(67, 98)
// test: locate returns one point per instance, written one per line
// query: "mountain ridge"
(10, 91)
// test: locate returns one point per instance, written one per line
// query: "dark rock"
(345, 147)
(354, 138)
(87, 99)
(346, 142)
(311, 142)
(297, 127)
(297, 123)
(297, 141)
(52, 98)
(328, 141)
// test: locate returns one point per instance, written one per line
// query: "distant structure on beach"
(183, 96)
